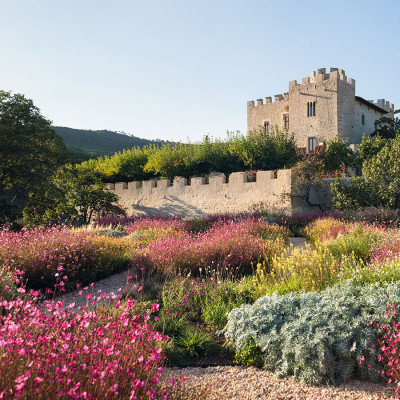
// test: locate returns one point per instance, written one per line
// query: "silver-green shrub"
(318, 337)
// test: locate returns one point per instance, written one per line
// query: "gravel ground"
(241, 383)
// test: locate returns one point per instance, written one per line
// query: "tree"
(83, 192)
(386, 127)
(381, 184)
(265, 150)
(30, 152)
(328, 161)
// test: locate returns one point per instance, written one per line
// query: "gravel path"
(116, 283)
(241, 383)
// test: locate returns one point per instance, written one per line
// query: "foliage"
(330, 160)
(325, 228)
(338, 156)
(265, 150)
(228, 246)
(387, 127)
(389, 345)
(250, 354)
(296, 223)
(370, 147)
(353, 195)
(309, 269)
(30, 151)
(85, 191)
(379, 215)
(380, 187)
(101, 352)
(45, 257)
(235, 153)
(195, 342)
(318, 337)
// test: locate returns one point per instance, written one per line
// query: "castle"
(323, 107)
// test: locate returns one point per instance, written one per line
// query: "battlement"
(321, 75)
(382, 103)
(335, 74)
(199, 196)
(236, 179)
(269, 100)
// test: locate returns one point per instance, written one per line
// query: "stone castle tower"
(323, 107)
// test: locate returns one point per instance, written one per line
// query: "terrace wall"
(197, 198)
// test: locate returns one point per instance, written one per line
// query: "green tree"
(261, 150)
(381, 184)
(337, 156)
(83, 192)
(30, 152)
(387, 127)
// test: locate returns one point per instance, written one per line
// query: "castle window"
(266, 126)
(286, 122)
(312, 143)
(311, 109)
(363, 119)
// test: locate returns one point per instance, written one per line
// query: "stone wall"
(370, 116)
(198, 198)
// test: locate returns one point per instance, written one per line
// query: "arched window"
(308, 109)
(313, 109)
(266, 126)
(286, 122)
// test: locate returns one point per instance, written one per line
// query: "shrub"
(109, 352)
(309, 269)
(233, 247)
(183, 298)
(389, 345)
(44, 255)
(296, 223)
(326, 228)
(250, 354)
(318, 337)
(156, 222)
(359, 240)
(380, 215)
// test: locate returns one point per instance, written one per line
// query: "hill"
(85, 144)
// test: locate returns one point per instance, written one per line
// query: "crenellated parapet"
(236, 180)
(316, 77)
(198, 195)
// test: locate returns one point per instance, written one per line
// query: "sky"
(179, 70)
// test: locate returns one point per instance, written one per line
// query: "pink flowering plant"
(389, 345)
(43, 257)
(227, 245)
(51, 349)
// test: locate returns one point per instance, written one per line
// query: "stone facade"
(323, 107)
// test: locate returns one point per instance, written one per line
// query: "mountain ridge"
(85, 144)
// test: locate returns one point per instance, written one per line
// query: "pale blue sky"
(175, 70)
